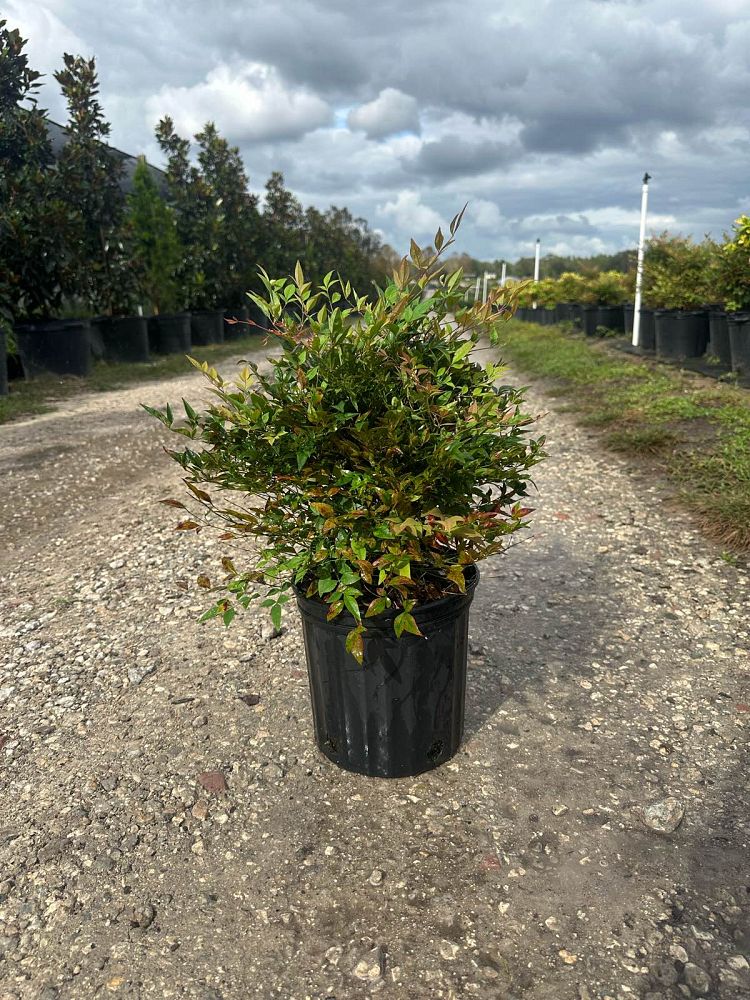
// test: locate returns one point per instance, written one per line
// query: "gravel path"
(163, 836)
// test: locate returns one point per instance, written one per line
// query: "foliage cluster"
(678, 273)
(378, 458)
(733, 267)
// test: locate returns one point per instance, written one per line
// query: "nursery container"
(402, 711)
(739, 340)
(611, 318)
(61, 347)
(125, 338)
(169, 333)
(718, 341)
(207, 327)
(681, 334)
(589, 319)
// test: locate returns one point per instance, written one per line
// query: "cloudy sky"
(543, 115)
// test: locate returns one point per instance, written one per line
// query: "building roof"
(58, 136)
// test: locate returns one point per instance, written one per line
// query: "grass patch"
(40, 395)
(694, 430)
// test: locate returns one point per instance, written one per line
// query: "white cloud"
(392, 111)
(410, 215)
(48, 38)
(250, 102)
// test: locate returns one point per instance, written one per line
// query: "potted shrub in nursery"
(733, 283)
(377, 464)
(677, 282)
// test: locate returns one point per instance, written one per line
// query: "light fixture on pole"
(639, 265)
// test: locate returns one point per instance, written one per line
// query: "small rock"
(139, 672)
(268, 631)
(377, 877)
(449, 950)
(213, 781)
(664, 972)
(559, 810)
(250, 699)
(200, 810)
(567, 957)
(738, 963)
(142, 915)
(679, 954)
(199, 721)
(372, 967)
(551, 924)
(696, 979)
(664, 816)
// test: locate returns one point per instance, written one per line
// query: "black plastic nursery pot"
(739, 341)
(718, 337)
(647, 331)
(125, 338)
(628, 311)
(3, 365)
(402, 711)
(207, 327)
(169, 333)
(576, 314)
(96, 338)
(681, 334)
(60, 347)
(589, 319)
(611, 318)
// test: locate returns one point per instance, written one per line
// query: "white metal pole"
(476, 290)
(503, 275)
(487, 276)
(639, 265)
(537, 256)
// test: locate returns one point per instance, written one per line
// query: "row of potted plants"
(69, 346)
(723, 338)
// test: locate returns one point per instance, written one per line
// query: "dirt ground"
(608, 700)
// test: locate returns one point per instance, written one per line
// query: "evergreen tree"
(98, 271)
(32, 219)
(151, 233)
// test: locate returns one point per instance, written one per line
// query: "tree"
(237, 217)
(733, 267)
(32, 218)
(196, 217)
(151, 234)
(97, 269)
(678, 273)
(282, 223)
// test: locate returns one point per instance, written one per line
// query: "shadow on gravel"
(536, 616)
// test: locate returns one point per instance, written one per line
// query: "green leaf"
(276, 615)
(350, 602)
(456, 575)
(355, 644)
(377, 607)
(405, 623)
(463, 350)
(228, 615)
(326, 586)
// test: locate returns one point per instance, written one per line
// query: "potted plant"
(378, 464)
(569, 291)
(677, 282)
(733, 283)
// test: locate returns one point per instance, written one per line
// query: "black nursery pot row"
(673, 334)
(68, 347)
